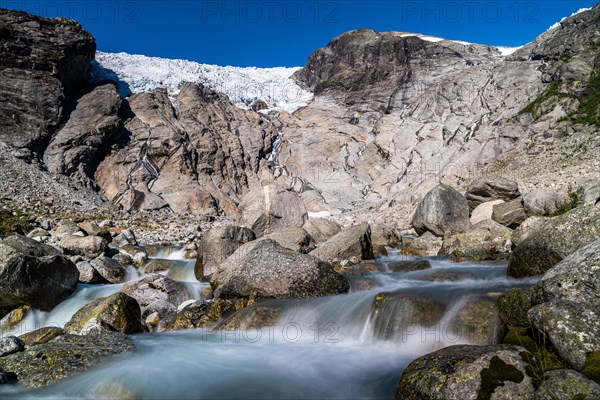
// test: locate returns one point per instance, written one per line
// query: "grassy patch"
(551, 91)
(575, 200)
(588, 111)
(10, 223)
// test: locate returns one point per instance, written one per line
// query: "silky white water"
(336, 347)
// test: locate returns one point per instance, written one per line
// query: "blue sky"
(284, 33)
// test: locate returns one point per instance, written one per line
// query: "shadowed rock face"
(38, 58)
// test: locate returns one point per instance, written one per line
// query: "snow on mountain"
(138, 73)
(557, 24)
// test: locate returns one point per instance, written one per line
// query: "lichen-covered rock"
(527, 227)
(478, 322)
(120, 312)
(442, 209)
(270, 270)
(467, 372)
(513, 306)
(557, 238)
(510, 214)
(576, 278)
(42, 335)
(218, 244)
(541, 202)
(34, 274)
(44, 364)
(426, 245)
(483, 241)
(86, 246)
(354, 241)
(573, 329)
(11, 321)
(487, 189)
(321, 230)
(565, 384)
(384, 235)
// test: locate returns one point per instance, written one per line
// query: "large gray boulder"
(267, 208)
(92, 126)
(153, 288)
(46, 363)
(218, 244)
(576, 278)
(86, 246)
(120, 312)
(541, 202)
(486, 189)
(34, 274)
(467, 372)
(554, 240)
(321, 229)
(566, 384)
(295, 239)
(110, 270)
(352, 242)
(442, 209)
(271, 271)
(510, 214)
(572, 328)
(41, 59)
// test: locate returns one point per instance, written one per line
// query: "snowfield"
(137, 73)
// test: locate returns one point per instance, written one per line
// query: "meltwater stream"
(347, 346)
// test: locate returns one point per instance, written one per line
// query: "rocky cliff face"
(41, 60)
(393, 115)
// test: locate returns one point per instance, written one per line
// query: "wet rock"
(510, 214)
(565, 384)
(321, 229)
(155, 287)
(253, 317)
(120, 312)
(541, 202)
(10, 322)
(267, 208)
(44, 364)
(487, 189)
(87, 246)
(6, 378)
(295, 239)
(444, 276)
(513, 306)
(484, 211)
(200, 314)
(467, 372)
(442, 209)
(554, 240)
(218, 244)
(576, 278)
(408, 266)
(270, 270)
(34, 274)
(478, 322)
(156, 265)
(426, 245)
(10, 345)
(573, 329)
(354, 241)
(110, 270)
(42, 335)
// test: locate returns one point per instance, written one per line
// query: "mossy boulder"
(483, 241)
(591, 368)
(201, 314)
(44, 364)
(477, 322)
(513, 306)
(253, 317)
(119, 311)
(408, 265)
(467, 372)
(42, 335)
(565, 384)
(554, 240)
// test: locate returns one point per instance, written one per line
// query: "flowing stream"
(347, 346)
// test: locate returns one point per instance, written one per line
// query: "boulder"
(11, 321)
(483, 241)
(46, 363)
(576, 278)
(218, 244)
(10, 345)
(477, 322)
(526, 228)
(513, 306)
(467, 372)
(93, 229)
(155, 287)
(442, 209)
(426, 245)
(557, 238)
(42, 335)
(87, 246)
(110, 270)
(120, 312)
(408, 266)
(34, 274)
(321, 229)
(541, 202)
(486, 189)
(591, 194)
(253, 317)
(510, 214)
(295, 239)
(573, 329)
(272, 271)
(566, 384)
(384, 235)
(266, 208)
(87, 273)
(352, 242)
(483, 212)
